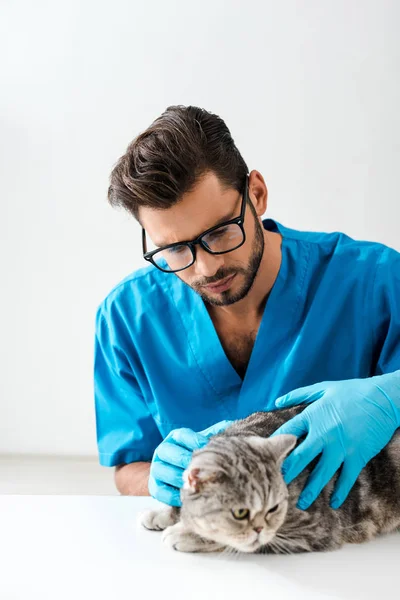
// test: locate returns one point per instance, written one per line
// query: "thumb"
(214, 429)
(302, 395)
(297, 426)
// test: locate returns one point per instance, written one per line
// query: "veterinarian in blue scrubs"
(236, 314)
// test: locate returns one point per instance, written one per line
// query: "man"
(233, 313)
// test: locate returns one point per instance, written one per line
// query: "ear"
(258, 192)
(281, 445)
(195, 479)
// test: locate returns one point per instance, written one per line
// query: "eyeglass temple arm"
(144, 243)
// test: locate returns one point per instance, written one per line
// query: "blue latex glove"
(172, 457)
(349, 422)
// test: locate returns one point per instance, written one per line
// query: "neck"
(252, 306)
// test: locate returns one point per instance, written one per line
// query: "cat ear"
(195, 479)
(281, 445)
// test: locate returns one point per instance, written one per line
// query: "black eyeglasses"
(219, 239)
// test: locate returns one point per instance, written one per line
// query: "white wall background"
(310, 90)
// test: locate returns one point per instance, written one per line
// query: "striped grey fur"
(241, 468)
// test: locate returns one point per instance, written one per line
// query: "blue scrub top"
(333, 314)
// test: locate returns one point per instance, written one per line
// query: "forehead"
(207, 204)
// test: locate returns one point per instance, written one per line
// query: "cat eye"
(240, 513)
(273, 509)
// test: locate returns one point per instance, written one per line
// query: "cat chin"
(253, 546)
(249, 548)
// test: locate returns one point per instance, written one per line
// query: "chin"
(252, 547)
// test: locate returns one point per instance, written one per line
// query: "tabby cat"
(234, 496)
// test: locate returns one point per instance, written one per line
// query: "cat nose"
(258, 529)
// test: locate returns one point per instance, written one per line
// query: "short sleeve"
(126, 431)
(386, 306)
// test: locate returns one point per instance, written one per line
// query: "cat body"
(234, 496)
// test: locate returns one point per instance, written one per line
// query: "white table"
(91, 547)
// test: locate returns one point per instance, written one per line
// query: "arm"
(349, 422)
(126, 431)
(127, 435)
(132, 479)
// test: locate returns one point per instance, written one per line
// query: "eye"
(219, 231)
(176, 249)
(273, 509)
(240, 513)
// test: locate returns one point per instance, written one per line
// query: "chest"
(197, 372)
(238, 343)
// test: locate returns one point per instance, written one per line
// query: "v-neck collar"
(205, 344)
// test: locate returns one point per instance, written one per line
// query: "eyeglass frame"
(192, 243)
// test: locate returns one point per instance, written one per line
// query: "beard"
(228, 297)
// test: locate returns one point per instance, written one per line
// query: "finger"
(326, 468)
(167, 473)
(214, 429)
(300, 458)
(302, 395)
(345, 482)
(174, 455)
(187, 438)
(164, 493)
(297, 426)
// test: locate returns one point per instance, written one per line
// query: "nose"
(207, 264)
(258, 529)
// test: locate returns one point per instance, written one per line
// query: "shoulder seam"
(302, 237)
(134, 275)
(122, 284)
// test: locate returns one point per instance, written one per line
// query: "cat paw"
(181, 539)
(158, 520)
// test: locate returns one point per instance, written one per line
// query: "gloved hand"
(349, 422)
(172, 457)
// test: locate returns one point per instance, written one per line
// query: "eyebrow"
(219, 222)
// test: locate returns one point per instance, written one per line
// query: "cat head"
(233, 491)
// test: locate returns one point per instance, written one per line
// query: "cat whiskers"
(229, 551)
(277, 546)
(297, 542)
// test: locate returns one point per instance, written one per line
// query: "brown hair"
(167, 159)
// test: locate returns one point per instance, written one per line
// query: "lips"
(221, 285)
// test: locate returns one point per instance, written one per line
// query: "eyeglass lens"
(222, 239)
